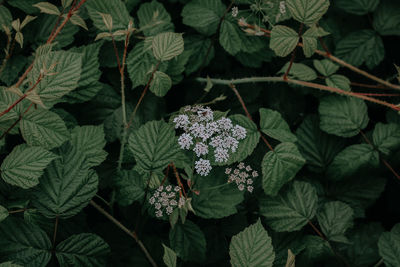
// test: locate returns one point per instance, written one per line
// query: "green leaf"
(292, 208)
(198, 46)
(43, 128)
(5, 18)
(299, 71)
(167, 45)
(130, 187)
(216, 198)
(90, 141)
(252, 247)
(67, 185)
(24, 165)
(338, 81)
(188, 241)
(386, 137)
(247, 145)
(9, 264)
(3, 213)
(7, 98)
(234, 40)
(82, 250)
(115, 8)
(203, 15)
(316, 146)
(358, 7)
(154, 19)
(307, 11)
(387, 18)
(352, 159)
(334, 219)
(64, 70)
(169, 257)
(343, 116)
(280, 166)
(326, 67)
(283, 40)
(88, 85)
(273, 125)
(140, 63)
(24, 243)
(310, 39)
(47, 8)
(160, 84)
(154, 145)
(361, 46)
(389, 246)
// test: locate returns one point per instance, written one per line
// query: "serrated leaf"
(252, 247)
(3, 213)
(188, 241)
(43, 128)
(154, 19)
(169, 257)
(130, 187)
(358, 7)
(5, 17)
(352, 159)
(310, 39)
(154, 145)
(280, 166)
(389, 246)
(203, 15)
(9, 264)
(64, 69)
(299, 71)
(361, 46)
(90, 141)
(167, 45)
(307, 11)
(160, 84)
(316, 146)
(47, 8)
(338, 81)
(67, 185)
(8, 119)
(283, 40)
(335, 218)
(115, 8)
(386, 137)
(343, 116)
(273, 125)
(216, 198)
(24, 165)
(82, 250)
(292, 208)
(24, 243)
(326, 67)
(387, 18)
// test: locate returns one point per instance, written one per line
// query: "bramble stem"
(126, 230)
(302, 83)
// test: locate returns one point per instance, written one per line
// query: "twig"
(178, 179)
(17, 211)
(293, 54)
(233, 87)
(16, 122)
(302, 83)
(126, 230)
(55, 232)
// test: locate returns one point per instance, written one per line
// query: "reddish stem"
(178, 179)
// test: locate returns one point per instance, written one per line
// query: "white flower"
(181, 202)
(173, 202)
(239, 132)
(282, 7)
(224, 124)
(185, 141)
(181, 121)
(250, 188)
(217, 141)
(157, 206)
(168, 188)
(203, 167)
(152, 200)
(241, 187)
(169, 210)
(159, 213)
(254, 174)
(205, 114)
(200, 149)
(248, 168)
(228, 170)
(241, 165)
(177, 188)
(235, 11)
(221, 154)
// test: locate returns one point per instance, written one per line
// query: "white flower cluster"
(235, 11)
(165, 201)
(243, 176)
(203, 135)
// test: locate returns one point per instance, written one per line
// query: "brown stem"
(166, 174)
(379, 86)
(116, 53)
(126, 230)
(233, 87)
(17, 211)
(293, 54)
(178, 179)
(16, 122)
(55, 232)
